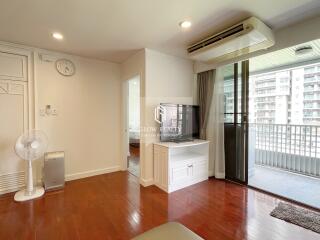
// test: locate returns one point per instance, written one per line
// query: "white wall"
(163, 78)
(132, 67)
(88, 104)
(167, 79)
(134, 104)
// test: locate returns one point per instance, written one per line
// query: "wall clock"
(65, 67)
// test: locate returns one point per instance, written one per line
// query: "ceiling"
(285, 57)
(281, 59)
(115, 29)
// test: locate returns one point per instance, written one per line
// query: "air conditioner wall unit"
(242, 38)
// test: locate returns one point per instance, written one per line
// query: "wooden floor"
(134, 160)
(114, 206)
(134, 151)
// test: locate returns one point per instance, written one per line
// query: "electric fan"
(30, 146)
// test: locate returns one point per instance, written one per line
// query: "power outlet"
(54, 112)
(48, 111)
(42, 112)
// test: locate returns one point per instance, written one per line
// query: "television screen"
(178, 122)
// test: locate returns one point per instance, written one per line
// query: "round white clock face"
(65, 67)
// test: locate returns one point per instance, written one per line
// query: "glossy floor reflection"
(134, 166)
(298, 187)
(134, 160)
(114, 206)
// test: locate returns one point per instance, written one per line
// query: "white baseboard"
(220, 175)
(69, 177)
(216, 175)
(91, 173)
(146, 182)
(9, 190)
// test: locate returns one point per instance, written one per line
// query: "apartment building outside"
(287, 96)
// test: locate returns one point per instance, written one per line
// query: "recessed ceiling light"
(57, 36)
(185, 24)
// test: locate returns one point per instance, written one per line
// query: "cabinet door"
(200, 169)
(180, 174)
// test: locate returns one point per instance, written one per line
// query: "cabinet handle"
(190, 165)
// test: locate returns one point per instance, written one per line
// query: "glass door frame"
(238, 159)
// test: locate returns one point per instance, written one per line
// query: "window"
(309, 70)
(309, 79)
(308, 105)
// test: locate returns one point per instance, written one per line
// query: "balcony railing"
(294, 148)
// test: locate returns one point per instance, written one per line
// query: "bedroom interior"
(195, 121)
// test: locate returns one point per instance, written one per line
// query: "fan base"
(22, 196)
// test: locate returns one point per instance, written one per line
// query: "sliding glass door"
(236, 78)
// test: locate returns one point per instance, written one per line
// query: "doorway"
(284, 124)
(272, 123)
(133, 126)
(235, 120)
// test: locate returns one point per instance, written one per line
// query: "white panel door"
(14, 119)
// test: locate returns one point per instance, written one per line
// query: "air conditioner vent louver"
(216, 38)
(245, 37)
(11, 182)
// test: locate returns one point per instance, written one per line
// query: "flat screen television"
(178, 123)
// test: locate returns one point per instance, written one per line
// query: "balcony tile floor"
(297, 187)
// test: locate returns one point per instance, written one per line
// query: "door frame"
(27, 81)
(245, 109)
(31, 95)
(243, 133)
(125, 123)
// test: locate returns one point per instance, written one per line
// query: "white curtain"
(215, 129)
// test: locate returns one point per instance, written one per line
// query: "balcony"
(266, 86)
(285, 159)
(264, 109)
(265, 94)
(311, 107)
(263, 100)
(308, 80)
(264, 79)
(308, 98)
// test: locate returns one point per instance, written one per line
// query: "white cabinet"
(178, 165)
